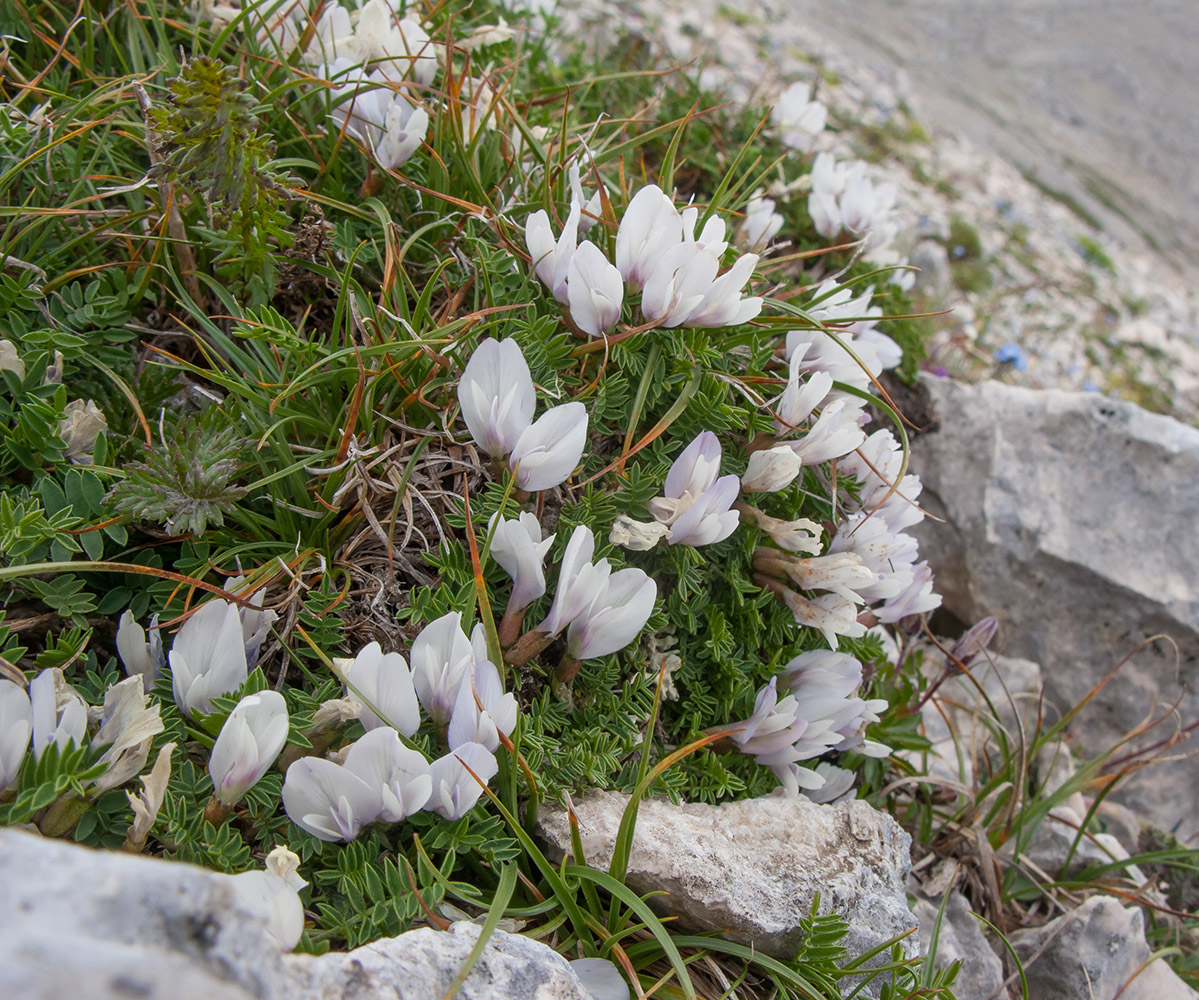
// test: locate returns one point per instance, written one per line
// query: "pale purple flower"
(16, 726)
(915, 599)
(399, 775)
(650, 228)
(139, 654)
(580, 582)
(208, 657)
(709, 518)
(825, 686)
(404, 129)
(696, 504)
(497, 396)
(548, 451)
(383, 683)
(250, 741)
(328, 800)
(838, 781)
(517, 545)
(455, 788)
(615, 617)
(595, 290)
(891, 555)
(836, 432)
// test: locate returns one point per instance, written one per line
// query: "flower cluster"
(381, 779)
(821, 712)
(497, 399)
(658, 253)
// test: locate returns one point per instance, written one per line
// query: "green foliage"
(211, 139)
(185, 485)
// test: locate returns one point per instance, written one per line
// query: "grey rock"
(935, 278)
(981, 974)
(1091, 953)
(112, 926)
(1070, 517)
(753, 868)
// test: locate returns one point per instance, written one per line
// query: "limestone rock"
(1090, 953)
(1070, 518)
(112, 926)
(754, 867)
(981, 975)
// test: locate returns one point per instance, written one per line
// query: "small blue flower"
(1089, 386)
(1014, 355)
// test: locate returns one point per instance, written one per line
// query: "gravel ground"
(987, 211)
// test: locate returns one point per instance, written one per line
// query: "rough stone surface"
(110, 926)
(1071, 518)
(981, 975)
(753, 868)
(1091, 953)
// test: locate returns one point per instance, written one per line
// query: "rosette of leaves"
(185, 485)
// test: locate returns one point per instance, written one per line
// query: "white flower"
(250, 740)
(801, 535)
(684, 290)
(580, 582)
(615, 617)
(762, 224)
(16, 725)
(9, 359)
(831, 614)
(550, 448)
(328, 800)
(839, 572)
(404, 129)
(59, 715)
(497, 396)
(79, 428)
(208, 657)
(401, 45)
(594, 290)
(255, 623)
(138, 654)
(801, 397)
(551, 258)
(591, 207)
(471, 723)
(397, 773)
(837, 783)
(799, 120)
(771, 469)
(455, 789)
(128, 725)
(272, 895)
(479, 106)
(651, 226)
(517, 545)
(639, 536)
(384, 683)
(441, 655)
(146, 803)
(891, 555)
